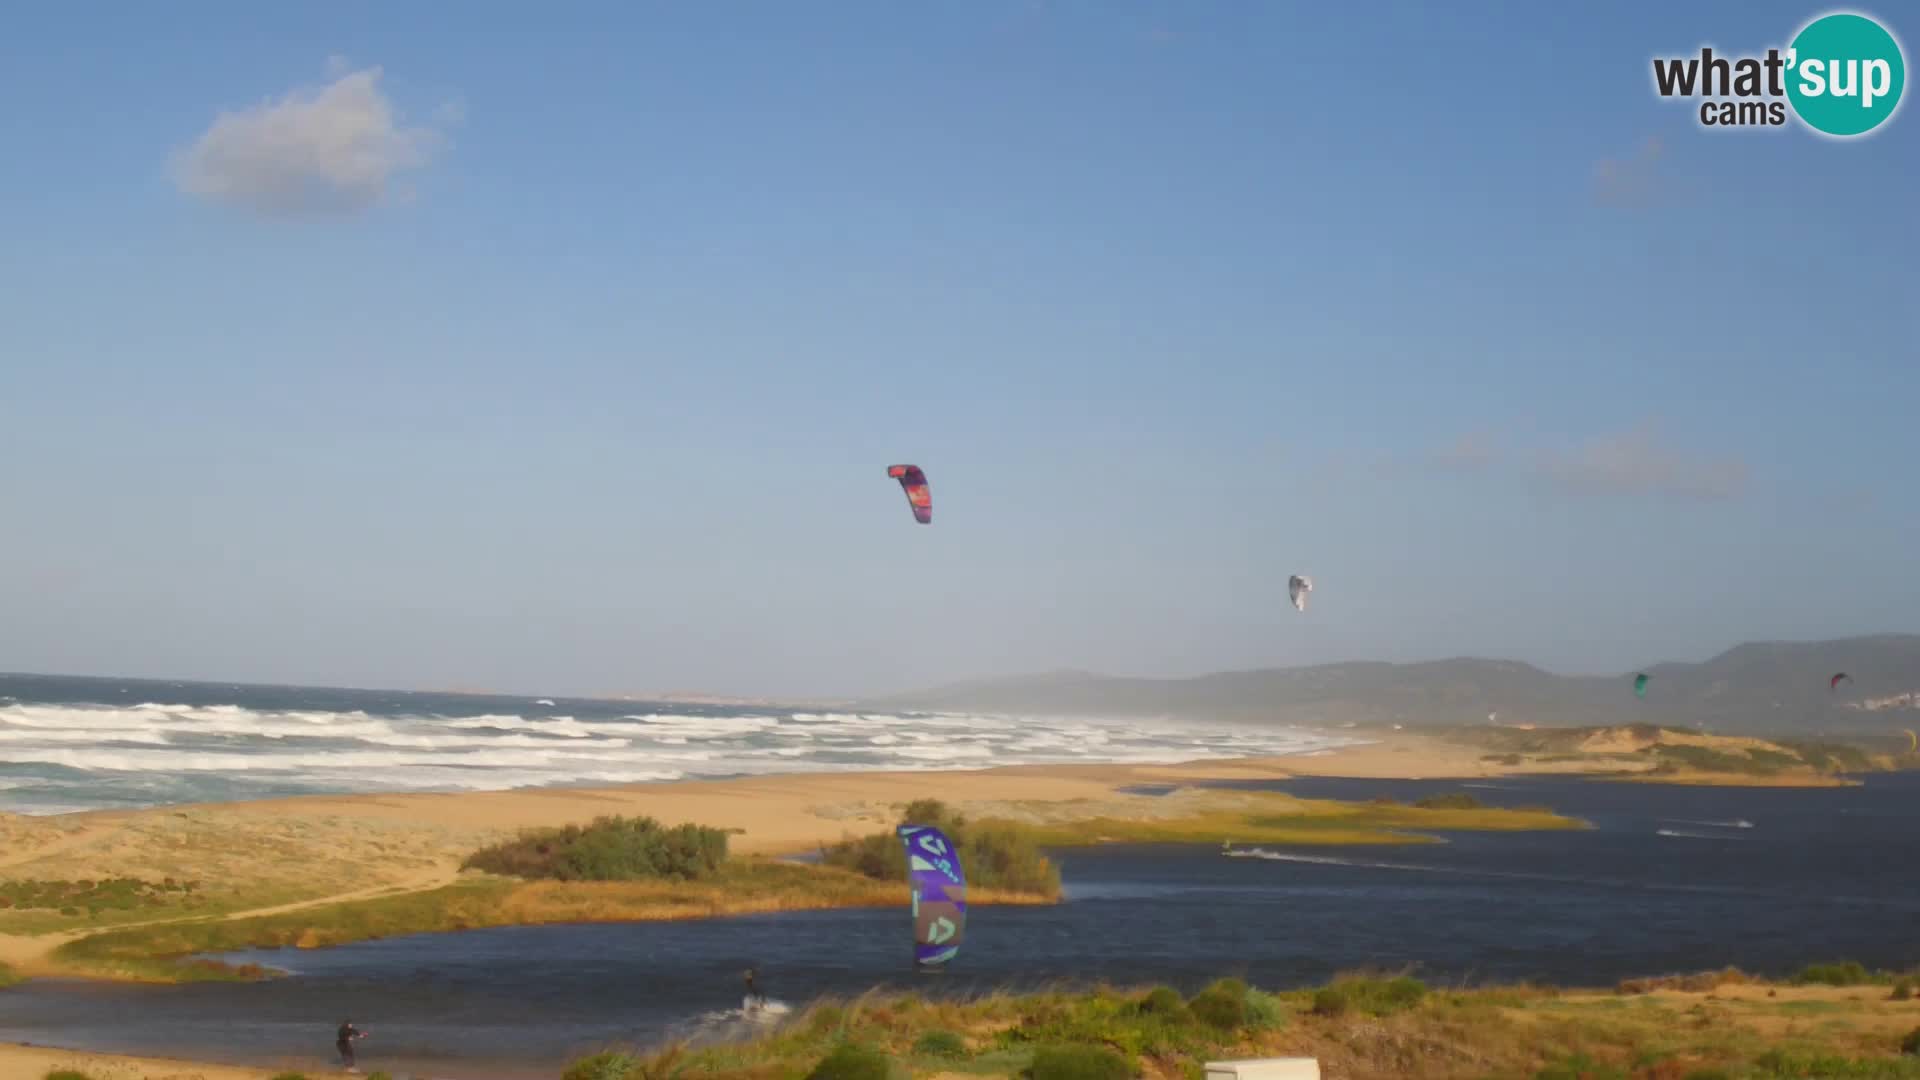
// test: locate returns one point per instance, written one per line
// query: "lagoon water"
(1670, 879)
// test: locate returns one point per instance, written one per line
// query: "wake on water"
(1469, 871)
(726, 1024)
(1737, 823)
(1684, 834)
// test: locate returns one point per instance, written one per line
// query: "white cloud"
(334, 150)
(1635, 463)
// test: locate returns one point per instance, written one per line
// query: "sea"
(70, 744)
(1668, 879)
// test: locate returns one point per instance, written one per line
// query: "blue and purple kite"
(939, 894)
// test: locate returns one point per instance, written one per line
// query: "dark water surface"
(1668, 880)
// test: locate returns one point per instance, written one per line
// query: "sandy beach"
(19, 1062)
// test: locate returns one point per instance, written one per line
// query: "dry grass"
(237, 863)
(1272, 818)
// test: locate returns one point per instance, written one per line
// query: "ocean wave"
(93, 754)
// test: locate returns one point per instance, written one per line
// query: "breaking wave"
(62, 756)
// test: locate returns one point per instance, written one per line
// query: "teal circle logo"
(1845, 74)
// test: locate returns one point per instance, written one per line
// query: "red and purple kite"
(914, 483)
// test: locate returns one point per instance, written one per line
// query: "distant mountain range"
(1771, 687)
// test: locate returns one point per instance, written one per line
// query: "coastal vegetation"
(608, 849)
(995, 855)
(736, 887)
(92, 897)
(1360, 1026)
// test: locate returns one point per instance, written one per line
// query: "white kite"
(1297, 589)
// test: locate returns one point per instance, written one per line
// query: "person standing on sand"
(344, 1041)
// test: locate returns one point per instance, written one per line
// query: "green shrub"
(609, 849)
(1079, 1063)
(611, 1065)
(995, 856)
(1222, 1005)
(1911, 1044)
(940, 1044)
(67, 1074)
(850, 1061)
(1902, 991)
(1331, 1001)
(1708, 1074)
(1458, 800)
(1263, 1011)
(380, 1074)
(1845, 973)
(1162, 1001)
(291, 1076)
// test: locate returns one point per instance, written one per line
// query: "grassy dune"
(1272, 818)
(1359, 1027)
(1650, 754)
(86, 872)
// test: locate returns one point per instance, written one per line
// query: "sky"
(563, 350)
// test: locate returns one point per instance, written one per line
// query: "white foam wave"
(133, 753)
(92, 735)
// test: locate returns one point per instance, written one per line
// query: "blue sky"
(578, 370)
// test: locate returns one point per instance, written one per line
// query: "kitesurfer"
(343, 1041)
(755, 999)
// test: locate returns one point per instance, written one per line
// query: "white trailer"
(1287, 1068)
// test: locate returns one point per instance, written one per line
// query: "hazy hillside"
(1777, 687)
